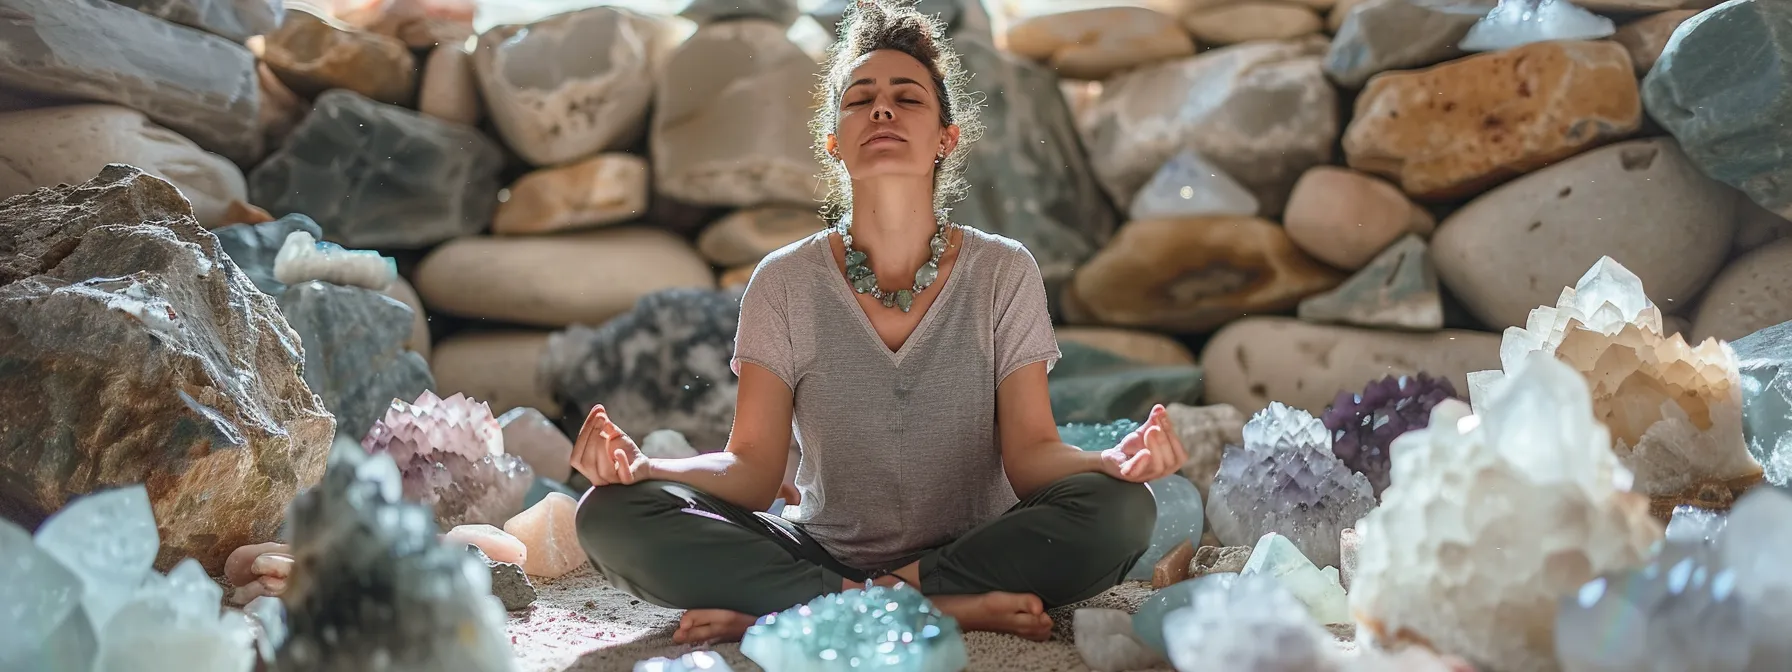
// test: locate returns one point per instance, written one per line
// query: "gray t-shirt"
(899, 449)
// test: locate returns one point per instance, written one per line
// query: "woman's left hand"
(1150, 452)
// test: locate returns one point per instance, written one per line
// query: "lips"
(883, 135)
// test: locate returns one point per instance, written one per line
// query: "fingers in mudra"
(603, 452)
(1152, 450)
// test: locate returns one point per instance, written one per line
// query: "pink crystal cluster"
(451, 454)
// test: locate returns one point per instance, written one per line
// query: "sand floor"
(578, 622)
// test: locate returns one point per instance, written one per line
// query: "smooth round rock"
(419, 340)
(1345, 218)
(1752, 293)
(1645, 38)
(555, 281)
(449, 91)
(1133, 344)
(313, 54)
(604, 189)
(500, 368)
(1641, 203)
(746, 236)
(69, 145)
(1095, 43)
(1252, 20)
(1256, 360)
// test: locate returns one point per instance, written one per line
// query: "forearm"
(1045, 463)
(722, 474)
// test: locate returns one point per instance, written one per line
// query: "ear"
(833, 146)
(948, 139)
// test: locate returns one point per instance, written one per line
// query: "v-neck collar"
(837, 278)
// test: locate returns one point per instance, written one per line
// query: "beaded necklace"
(864, 281)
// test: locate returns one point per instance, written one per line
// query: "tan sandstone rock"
(1644, 38)
(730, 119)
(1458, 128)
(746, 236)
(1096, 43)
(555, 281)
(1252, 20)
(1640, 202)
(1259, 359)
(450, 91)
(1136, 345)
(604, 189)
(499, 367)
(1345, 218)
(312, 54)
(1752, 293)
(69, 145)
(1194, 275)
(573, 84)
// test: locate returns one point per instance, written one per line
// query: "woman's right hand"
(606, 455)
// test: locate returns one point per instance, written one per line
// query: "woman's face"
(890, 119)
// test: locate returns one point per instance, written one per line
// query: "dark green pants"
(677, 547)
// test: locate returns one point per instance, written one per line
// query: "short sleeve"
(1023, 322)
(763, 334)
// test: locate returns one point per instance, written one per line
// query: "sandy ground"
(578, 622)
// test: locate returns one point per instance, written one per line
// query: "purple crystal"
(1364, 425)
(451, 455)
(1285, 479)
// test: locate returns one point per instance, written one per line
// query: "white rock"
(1536, 473)
(1751, 293)
(302, 259)
(572, 84)
(1105, 640)
(69, 145)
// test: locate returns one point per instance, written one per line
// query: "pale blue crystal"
(1691, 524)
(871, 629)
(1319, 589)
(269, 613)
(1253, 623)
(1180, 513)
(42, 624)
(695, 661)
(109, 540)
(1148, 621)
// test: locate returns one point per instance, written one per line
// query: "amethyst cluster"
(451, 455)
(1363, 425)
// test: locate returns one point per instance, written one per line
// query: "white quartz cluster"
(83, 597)
(1674, 410)
(303, 259)
(1491, 518)
(1515, 23)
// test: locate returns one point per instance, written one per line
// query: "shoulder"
(799, 256)
(1007, 259)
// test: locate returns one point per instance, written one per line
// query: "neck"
(892, 222)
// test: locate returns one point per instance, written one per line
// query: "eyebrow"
(893, 81)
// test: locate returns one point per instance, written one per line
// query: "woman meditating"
(909, 357)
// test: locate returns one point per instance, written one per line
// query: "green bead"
(925, 275)
(905, 299)
(889, 300)
(856, 272)
(865, 283)
(855, 258)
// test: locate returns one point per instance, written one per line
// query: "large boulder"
(236, 20)
(355, 354)
(201, 85)
(136, 352)
(1723, 87)
(378, 175)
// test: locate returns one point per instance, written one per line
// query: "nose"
(882, 112)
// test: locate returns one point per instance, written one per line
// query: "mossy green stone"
(926, 274)
(855, 258)
(905, 299)
(864, 283)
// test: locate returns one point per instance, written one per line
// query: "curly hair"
(876, 25)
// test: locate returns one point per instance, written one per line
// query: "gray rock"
(1397, 290)
(200, 85)
(380, 176)
(1382, 35)
(254, 246)
(663, 365)
(132, 351)
(379, 591)
(1765, 358)
(1723, 88)
(1093, 385)
(1031, 180)
(782, 12)
(355, 357)
(237, 20)
(509, 583)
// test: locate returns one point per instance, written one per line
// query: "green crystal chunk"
(905, 299)
(855, 258)
(1317, 588)
(926, 274)
(856, 272)
(889, 300)
(864, 283)
(695, 661)
(937, 245)
(874, 629)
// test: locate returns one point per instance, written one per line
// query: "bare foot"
(1018, 614)
(712, 625)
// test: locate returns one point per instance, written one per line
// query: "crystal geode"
(372, 587)
(873, 629)
(1321, 590)
(1674, 410)
(1364, 424)
(1492, 518)
(1248, 623)
(1285, 479)
(1712, 599)
(451, 452)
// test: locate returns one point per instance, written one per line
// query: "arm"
(748, 472)
(1033, 456)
